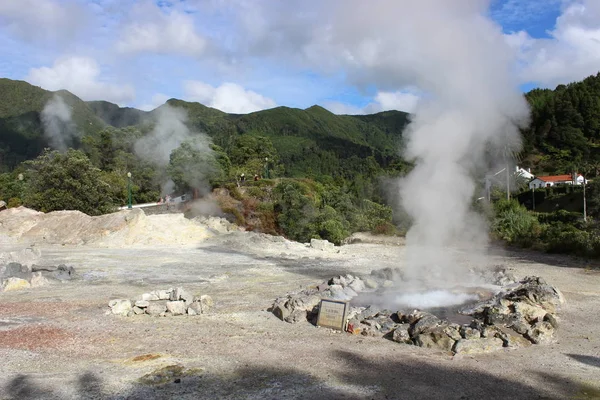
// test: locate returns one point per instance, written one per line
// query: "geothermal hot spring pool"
(445, 303)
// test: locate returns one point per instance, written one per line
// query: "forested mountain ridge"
(564, 133)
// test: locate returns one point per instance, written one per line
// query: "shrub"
(514, 224)
(14, 202)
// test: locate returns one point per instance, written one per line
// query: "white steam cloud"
(475, 108)
(59, 128)
(170, 132)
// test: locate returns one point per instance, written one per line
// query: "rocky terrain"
(61, 340)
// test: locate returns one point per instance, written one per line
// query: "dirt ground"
(57, 342)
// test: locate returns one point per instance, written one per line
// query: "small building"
(525, 173)
(553, 180)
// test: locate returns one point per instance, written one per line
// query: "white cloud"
(81, 76)
(570, 54)
(228, 97)
(45, 20)
(383, 101)
(150, 30)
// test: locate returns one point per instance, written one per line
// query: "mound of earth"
(120, 229)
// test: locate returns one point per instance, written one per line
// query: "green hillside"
(565, 128)
(116, 116)
(21, 133)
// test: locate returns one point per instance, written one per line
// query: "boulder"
(37, 280)
(12, 283)
(176, 307)
(64, 273)
(476, 346)
(296, 316)
(466, 332)
(371, 283)
(434, 338)
(540, 332)
(280, 310)
(138, 310)
(149, 297)
(142, 303)
(323, 245)
(195, 308)
(120, 306)
(207, 303)
(162, 294)
(357, 285)
(425, 323)
(453, 331)
(17, 270)
(509, 337)
(156, 308)
(401, 334)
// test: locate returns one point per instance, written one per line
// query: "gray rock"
(322, 245)
(552, 320)
(510, 338)
(138, 310)
(476, 346)
(16, 270)
(149, 296)
(371, 283)
(163, 294)
(453, 331)
(64, 273)
(434, 338)
(142, 303)
(176, 307)
(120, 306)
(279, 310)
(540, 332)
(156, 308)
(469, 333)
(401, 334)
(207, 303)
(357, 285)
(176, 294)
(296, 316)
(337, 293)
(425, 323)
(196, 308)
(520, 327)
(339, 280)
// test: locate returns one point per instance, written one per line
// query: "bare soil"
(57, 342)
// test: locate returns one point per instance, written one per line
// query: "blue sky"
(246, 55)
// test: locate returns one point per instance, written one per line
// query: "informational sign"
(333, 314)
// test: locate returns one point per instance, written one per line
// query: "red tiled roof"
(557, 178)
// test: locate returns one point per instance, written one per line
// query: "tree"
(194, 164)
(67, 181)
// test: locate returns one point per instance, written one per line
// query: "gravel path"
(57, 342)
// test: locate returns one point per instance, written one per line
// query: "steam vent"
(502, 313)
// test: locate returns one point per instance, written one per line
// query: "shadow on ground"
(529, 256)
(318, 268)
(588, 360)
(360, 378)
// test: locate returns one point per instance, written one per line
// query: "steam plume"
(474, 106)
(59, 128)
(169, 133)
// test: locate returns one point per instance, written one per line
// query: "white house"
(525, 173)
(547, 181)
